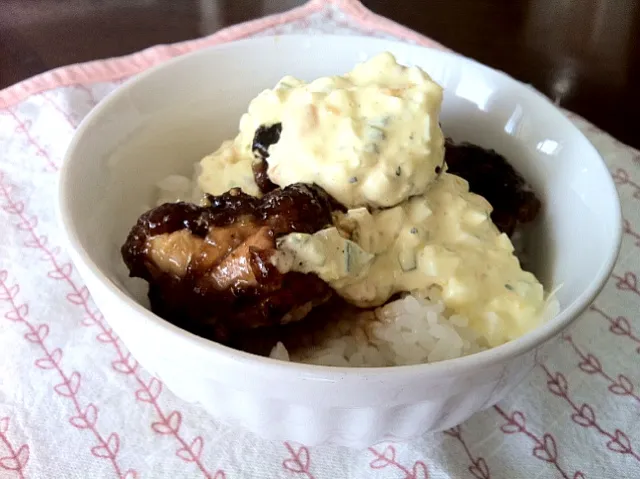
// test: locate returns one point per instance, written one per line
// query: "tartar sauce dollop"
(369, 138)
(445, 239)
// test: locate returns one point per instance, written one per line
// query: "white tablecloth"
(74, 404)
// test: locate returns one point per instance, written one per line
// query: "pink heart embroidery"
(382, 460)
(516, 423)
(620, 326)
(420, 471)
(170, 425)
(590, 364)
(629, 282)
(620, 443)
(16, 462)
(193, 452)
(131, 474)
(558, 385)
(299, 462)
(622, 387)
(585, 416)
(546, 450)
(38, 335)
(479, 469)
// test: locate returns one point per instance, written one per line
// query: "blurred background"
(583, 54)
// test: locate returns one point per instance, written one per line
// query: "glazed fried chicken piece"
(492, 177)
(210, 268)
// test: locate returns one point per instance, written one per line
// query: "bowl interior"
(165, 120)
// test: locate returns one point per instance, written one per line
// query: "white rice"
(411, 330)
(179, 188)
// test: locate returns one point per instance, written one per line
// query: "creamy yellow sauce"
(226, 168)
(370, 137)
(444, 238)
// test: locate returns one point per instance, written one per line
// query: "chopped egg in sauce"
(372, 140)
(443, 239)
(369, 138)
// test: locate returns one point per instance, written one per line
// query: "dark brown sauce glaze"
(298, 335)
(265, 137)
(491, 176)
(209, 268)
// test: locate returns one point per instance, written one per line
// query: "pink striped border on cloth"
(122, 67)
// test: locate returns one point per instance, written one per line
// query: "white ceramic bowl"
(163, 121)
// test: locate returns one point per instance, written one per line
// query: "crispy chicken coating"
(492, 177)
(209, 268)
